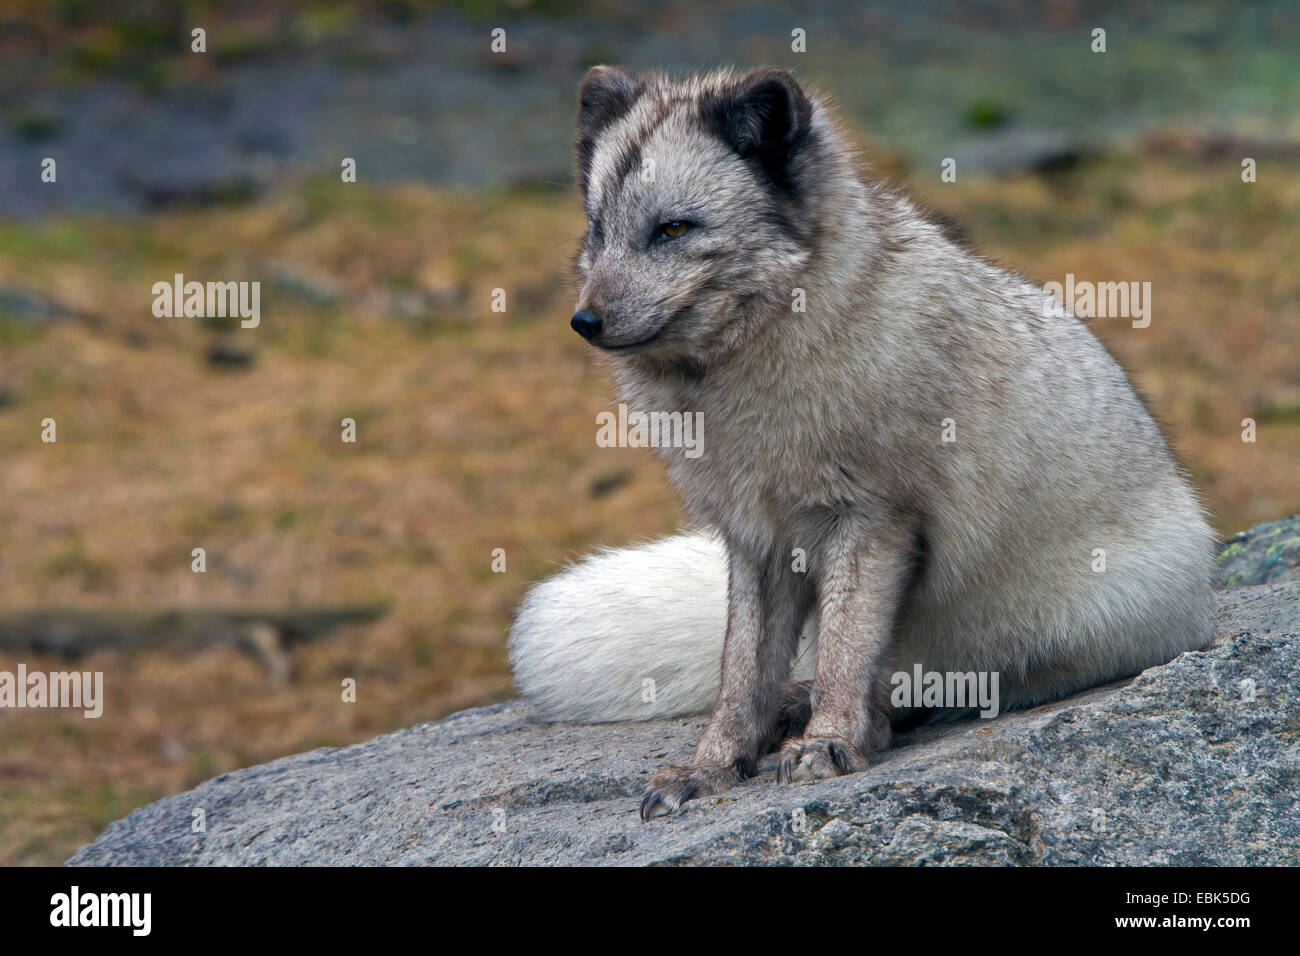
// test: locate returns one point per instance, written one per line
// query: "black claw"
(651, 800)
(668, 799)
(838, 757)
(783, 771)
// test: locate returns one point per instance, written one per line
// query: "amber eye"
(673, 229)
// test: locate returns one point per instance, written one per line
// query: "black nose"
(586, 324)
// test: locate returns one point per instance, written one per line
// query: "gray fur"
(823, 433)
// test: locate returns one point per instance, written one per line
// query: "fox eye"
(596, 231)
(673, 228)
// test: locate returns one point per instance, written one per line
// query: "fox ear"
(606, 93)
(765, 116)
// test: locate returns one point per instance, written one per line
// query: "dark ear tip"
(770, 78)
(606, 91)
(772, 74)
(781, 90)
(607, 77)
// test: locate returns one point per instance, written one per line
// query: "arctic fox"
(910, 457)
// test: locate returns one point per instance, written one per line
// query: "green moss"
(16, 331)
(985, 114)
(1266, 553)
(48, 240)
(34, 127)
(1286, 414)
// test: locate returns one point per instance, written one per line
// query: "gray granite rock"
(1265, 554)
(1195, 762)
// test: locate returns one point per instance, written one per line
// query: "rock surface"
(1196, 762)
(1268, 553)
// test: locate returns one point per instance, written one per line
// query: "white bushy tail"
(587, 641)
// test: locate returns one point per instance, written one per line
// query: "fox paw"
(673, 786)
(817, 758)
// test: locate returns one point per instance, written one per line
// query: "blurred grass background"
(475, 429)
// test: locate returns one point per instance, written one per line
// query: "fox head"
(702, 199)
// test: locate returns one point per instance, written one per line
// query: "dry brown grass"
(476, 431)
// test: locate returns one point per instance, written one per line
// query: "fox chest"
(762, 460)
(759, 482)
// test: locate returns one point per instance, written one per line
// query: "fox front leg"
(766, 604)
(866, 574)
